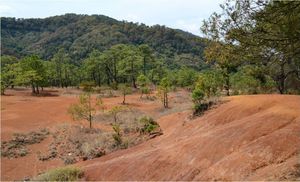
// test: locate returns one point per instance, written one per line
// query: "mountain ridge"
(80, 34)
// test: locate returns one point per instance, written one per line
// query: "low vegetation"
(17, 147)
(61, 174)
(73, 143)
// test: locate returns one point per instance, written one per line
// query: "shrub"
(201, 107)
(61, 174)
(87, 86)
(197, 96)
(17, 146)
(201, 102)
(209, 82)
(117, 135)
(69, 160)
(149, 125)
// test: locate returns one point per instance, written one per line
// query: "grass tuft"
(61, 174)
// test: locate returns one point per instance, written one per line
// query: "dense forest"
(79, 35)
(251, 47)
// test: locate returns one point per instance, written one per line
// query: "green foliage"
(143, 81)
(149, 125)
(251, 80)
(31, 71)
(209, 83)
(186, 77)
(87, 86)
(8, 76)
(85, 109)
(81, 34)
(207, 86)
(259, 33)
(61, 174)
(117, 135)
(125, 89)
(144, 84)
(163, 90)
(198, 95)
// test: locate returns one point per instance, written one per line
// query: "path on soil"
(248, 138)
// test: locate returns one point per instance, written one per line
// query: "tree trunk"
(37, 89)
(167, 104)
(33, 88)
(124, 95)
(144, 69)
(281, 84)
(90, 112)
(227, 85)
(133, 83)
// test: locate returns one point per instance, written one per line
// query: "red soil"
(247, 138)
(22, 113)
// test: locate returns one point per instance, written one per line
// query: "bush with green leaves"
(199, 101)
(87, 86)
(186, 77)
(61, 174)
(149, 125)
(251, 80)
(210, 82)
(117, 134)
(207, 86)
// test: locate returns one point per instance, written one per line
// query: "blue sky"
(182, 14)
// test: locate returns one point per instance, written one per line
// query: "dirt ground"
(247, 138)
(21, 112)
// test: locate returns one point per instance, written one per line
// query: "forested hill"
(80, 34)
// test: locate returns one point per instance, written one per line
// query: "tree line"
(252, 47)
(121, 64)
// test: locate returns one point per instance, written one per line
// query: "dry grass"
(17, 146)
(61, 174)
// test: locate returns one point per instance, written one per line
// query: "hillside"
(80, 34)
(246, 138)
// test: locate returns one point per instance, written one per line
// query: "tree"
(125, 91)
(265, 32)
(163, 90)
(94, 68)
(147, 54)
(31, 72)
(251, 80)
(130, 64)
(143, 83)
(85, 109)
(114, 111)
(186, 77)
(8, 76)
(61, 61)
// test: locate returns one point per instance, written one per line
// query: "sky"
(180, 14)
